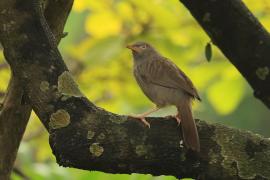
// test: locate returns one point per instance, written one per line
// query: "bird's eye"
(143, 46)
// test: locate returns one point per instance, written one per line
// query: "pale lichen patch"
(52, 68)
(96, 150)
(44, 86)
(118, 119)
(262, 72)
(59, 119)
(54, 87)
(89, 120)
(3, 11)
(67, 85)
(101, 136)
(65, 97)
(141, 150)
(57, 95)
(213, 157)
(90, 134)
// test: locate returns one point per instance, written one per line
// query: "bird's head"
(141, 49)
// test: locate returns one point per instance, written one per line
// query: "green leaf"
(208, 51)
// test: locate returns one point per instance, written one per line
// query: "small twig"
(20, 173)
(2, 94)
(34, 134)
(3, 66)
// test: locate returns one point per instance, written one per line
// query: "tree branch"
(87, 137)
(56, 14)
(15, 111)
(241, 38)
(13, 120)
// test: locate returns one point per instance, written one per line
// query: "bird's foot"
(142, 119)
(176, 117)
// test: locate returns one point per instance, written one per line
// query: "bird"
(165, 85)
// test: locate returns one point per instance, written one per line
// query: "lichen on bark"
(59, 119)
(67, 85)
(96, 149)
(247, 151)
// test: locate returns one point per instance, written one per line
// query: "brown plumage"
(165, 84)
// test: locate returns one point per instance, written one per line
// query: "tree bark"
(87, 137)
(15, 110)
(241, 38)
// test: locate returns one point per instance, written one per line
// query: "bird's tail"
(189, 129)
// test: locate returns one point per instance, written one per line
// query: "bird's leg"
(149, 112)
(142, 116)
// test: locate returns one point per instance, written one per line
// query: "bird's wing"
(163, 72)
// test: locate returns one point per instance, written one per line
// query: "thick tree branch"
(16, 111)
(240, 36)
(87, 137)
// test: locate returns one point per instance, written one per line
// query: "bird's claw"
(142, 119)
(146, 123)
(176, 117)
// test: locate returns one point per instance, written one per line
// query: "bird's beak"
(133, 48)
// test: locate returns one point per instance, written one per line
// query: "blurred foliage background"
(95, 52)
